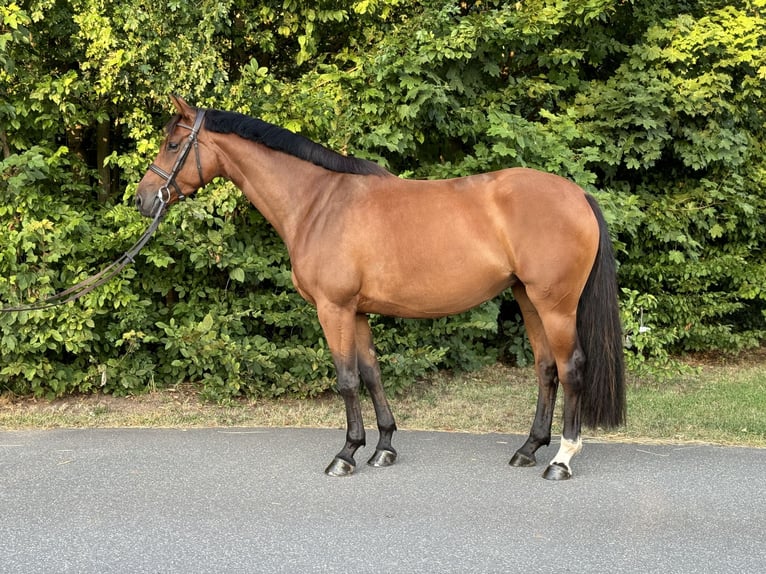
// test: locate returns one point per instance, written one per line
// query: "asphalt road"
(256, 500)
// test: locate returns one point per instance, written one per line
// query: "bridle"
(163, 194)
(164, 197)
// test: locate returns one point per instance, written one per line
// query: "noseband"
(163, 194)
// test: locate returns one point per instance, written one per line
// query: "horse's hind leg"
(547, 379)
(385, 455)
(570, 362)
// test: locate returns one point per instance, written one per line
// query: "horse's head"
(174, 175)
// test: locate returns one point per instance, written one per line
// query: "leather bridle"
(163, 194)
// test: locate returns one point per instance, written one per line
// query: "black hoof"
(339, 467)
(557, 471)
(382, 458)
(520, 459)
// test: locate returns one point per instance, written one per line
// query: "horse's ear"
(181, 106)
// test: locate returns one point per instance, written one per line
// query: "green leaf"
(237, 274)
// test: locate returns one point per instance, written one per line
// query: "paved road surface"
(256, 500)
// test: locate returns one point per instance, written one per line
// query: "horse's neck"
(282, 187)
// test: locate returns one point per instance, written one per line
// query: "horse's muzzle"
(148, 206)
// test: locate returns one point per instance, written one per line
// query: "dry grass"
(478, 402)
(723, 402)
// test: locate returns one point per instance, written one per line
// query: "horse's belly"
(429, 292)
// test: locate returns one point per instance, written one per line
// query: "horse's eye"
(173, 146)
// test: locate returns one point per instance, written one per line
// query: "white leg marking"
(566, 451)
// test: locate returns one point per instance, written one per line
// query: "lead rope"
(86, 286)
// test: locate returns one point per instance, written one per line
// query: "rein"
(86, 286)
(163, 197)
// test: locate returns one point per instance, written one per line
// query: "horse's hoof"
(521, 459)
(557, 471)
(339, 467)
(382, 458)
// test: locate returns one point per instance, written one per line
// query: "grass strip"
(718, 404)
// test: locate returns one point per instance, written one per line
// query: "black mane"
(284, 140)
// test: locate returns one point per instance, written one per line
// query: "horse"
(362, 240)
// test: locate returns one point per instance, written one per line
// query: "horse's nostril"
(138, 202)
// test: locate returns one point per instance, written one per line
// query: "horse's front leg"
(338, 324)
(369, 370)
(348, 385)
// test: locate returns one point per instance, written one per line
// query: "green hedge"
(655, 107)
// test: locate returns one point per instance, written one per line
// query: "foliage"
(657, 108)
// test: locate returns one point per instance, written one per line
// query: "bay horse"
(362, 241)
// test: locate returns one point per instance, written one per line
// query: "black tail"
(600, 334)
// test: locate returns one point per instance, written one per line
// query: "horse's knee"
(348, 378)
(348, 388)
(370, 375)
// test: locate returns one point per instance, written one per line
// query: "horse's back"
(519, 219)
